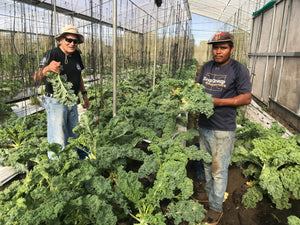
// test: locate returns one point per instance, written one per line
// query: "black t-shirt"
(225, 81)
(72, 68)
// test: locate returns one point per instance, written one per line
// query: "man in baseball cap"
(228, 81)
(222, 37)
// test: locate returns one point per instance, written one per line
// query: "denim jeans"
(61, 120)
(219, 144)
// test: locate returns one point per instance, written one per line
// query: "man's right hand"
(40, 74)
(52, 67)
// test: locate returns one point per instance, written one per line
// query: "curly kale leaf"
(252, 196)
(183, 95)
(252, 171)
(170, 178)
(290, 179)
(90, 210)
(195, 99)
(178, 211)
(193, 153)
(129, 184)
(62, 89)
(293, 220)
(150, 166)
(270, 181)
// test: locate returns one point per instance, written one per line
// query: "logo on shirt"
(43, 61)
(78, 67)
(214, 82)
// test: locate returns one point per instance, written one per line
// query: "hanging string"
(66, 59)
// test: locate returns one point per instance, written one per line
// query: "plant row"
(134, 166)
(135, 163)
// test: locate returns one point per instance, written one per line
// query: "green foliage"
(241, 119)
(290, 179)
(20, 138)
(63, 191)
(62, 88)
(248, 132)
(293, 220)
(129, 184)
(271, 160)
(110, 143)
(252, 196)
(186, 210)
(35, 100)
(9, 88)
(103, 187)
(196, 100)
(189, 95)
(5, 110)
(168, 162)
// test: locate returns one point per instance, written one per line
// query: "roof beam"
(45, 5)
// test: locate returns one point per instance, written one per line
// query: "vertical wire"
(115, 58)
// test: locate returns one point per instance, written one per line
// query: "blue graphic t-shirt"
(225, 81)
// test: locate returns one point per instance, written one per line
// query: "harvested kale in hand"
(62, 89)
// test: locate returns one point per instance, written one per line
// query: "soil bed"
(235, 213)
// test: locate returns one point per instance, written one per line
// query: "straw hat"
(69, 29)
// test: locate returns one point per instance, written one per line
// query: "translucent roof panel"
(49, 16)
(237, 13)
(134, 15)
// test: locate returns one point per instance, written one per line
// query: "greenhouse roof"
(134, 15)
(237, 13)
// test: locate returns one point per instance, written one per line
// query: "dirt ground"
(235, 213)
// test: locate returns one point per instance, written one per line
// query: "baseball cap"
(221, 37)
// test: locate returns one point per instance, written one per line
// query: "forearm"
(40, 74)
(242, 99)
(82, 88)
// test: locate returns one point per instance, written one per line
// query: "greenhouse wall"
(273, 60)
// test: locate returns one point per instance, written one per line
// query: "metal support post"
(115, 58)
(155, 49)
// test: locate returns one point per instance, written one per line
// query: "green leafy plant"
(35, 100)
(63, 191)
(5, 110)
(293, 220)
(168, 163)
(271, 160)
(104, 188)
(62, 88)
(20, 138)
(186, 210)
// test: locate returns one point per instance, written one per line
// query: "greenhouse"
(149, 112)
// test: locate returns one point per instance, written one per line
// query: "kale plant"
(62, 88)
(272, 161)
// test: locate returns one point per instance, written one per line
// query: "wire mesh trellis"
(28, 29)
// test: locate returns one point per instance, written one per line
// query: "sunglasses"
(70, 40)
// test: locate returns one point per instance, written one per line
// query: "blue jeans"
(219, 144)
(61, 120)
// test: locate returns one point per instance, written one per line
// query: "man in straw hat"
(61, 119)
(228, 82)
